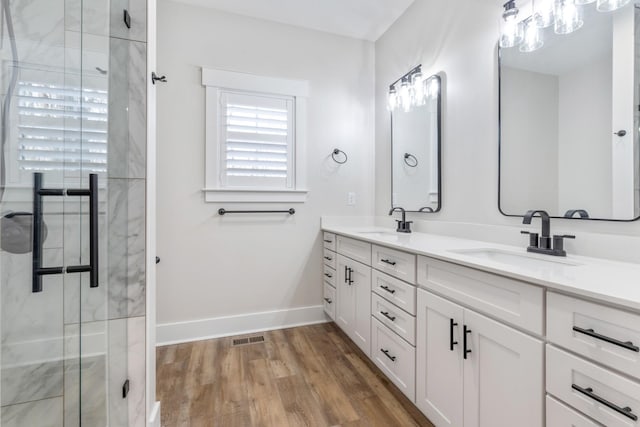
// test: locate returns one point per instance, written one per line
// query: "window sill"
(213, 195)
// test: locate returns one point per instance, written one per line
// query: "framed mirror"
(569, 116)
(415, 143)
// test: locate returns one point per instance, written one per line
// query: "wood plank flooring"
(307, 376)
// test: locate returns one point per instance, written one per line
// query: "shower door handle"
(37, 269)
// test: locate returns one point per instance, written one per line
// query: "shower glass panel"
(72, 278)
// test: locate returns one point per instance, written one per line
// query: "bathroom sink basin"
(379, 233)
(517, 259)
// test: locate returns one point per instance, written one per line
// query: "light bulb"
(405, 95)
(418, 88)
(568, 16)
(511, 34)
(393, 99)
(611, 5)
(532, 39)
(543, 12)
(432, 88)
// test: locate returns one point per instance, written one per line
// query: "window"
(51, 135)
(254, 138)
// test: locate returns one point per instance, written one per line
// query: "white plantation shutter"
(256, 140)
(56, 132)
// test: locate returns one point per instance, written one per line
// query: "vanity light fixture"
(532, 36)
(564, 15)
(432, 87)
(568, 16)
(511, 29)
(408, 91)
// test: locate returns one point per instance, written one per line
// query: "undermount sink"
(381, 233)
(517, 259)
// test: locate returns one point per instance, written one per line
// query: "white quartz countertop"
(608, 281)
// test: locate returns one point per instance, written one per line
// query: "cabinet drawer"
(396, 263)
(354, 249)
(329, 241)
(395, 357)
(604, 334)
(399, 321)
(510, 300)
(396, 291)
(329, 301)
(329, 275)
(597, 392)
(560, 415)
(329, 258)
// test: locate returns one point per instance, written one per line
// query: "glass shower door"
(65, 299)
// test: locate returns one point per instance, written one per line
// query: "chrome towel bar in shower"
(222, 211)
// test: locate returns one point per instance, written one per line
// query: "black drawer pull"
(626, 411)
(328, 300)
(328, 241)
(452, 324)
(590, 332)
(386, 353)
(386, 288)
(386, 261)
(386, 314)
(328, 275)
(466, 331)
(328, 258)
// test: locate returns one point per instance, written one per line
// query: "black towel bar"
(222, 211)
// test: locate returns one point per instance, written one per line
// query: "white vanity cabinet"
(329, 274)
(353, 310)
(474, 371)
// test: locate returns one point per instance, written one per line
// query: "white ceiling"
(362, 19)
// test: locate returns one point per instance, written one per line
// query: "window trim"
(216, 80)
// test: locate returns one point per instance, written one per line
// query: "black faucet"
(404, 226)
(581, 212)
(544, 244)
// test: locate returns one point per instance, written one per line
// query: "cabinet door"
(439, 370)
(503, 375)
(346, 300)
(361, 282)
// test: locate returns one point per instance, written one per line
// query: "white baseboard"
(196, 330)
(154, 417)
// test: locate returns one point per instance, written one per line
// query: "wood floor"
(307, 376)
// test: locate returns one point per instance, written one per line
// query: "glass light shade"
(543, 12)
(568, 16)
(611, 5)
(418, 88)
(405, 95)
(393, 99)
(432, 88)
(532, 37)
(511, 34)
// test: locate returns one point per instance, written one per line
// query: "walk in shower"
(72, 212)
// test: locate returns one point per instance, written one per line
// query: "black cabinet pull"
(386, 314)
(590, 332)
(328, 258)
(386, 261)
(346, 274)
(328, 275)
(386, 288)
(386, 353)
(626, 411)
(350, 280)
(452, 324)
(328, 241)
(466, 331)
(328, 300)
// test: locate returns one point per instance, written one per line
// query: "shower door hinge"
(125, 389)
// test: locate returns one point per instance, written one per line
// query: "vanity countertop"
(608, 281)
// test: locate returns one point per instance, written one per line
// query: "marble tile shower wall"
(47, 326)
